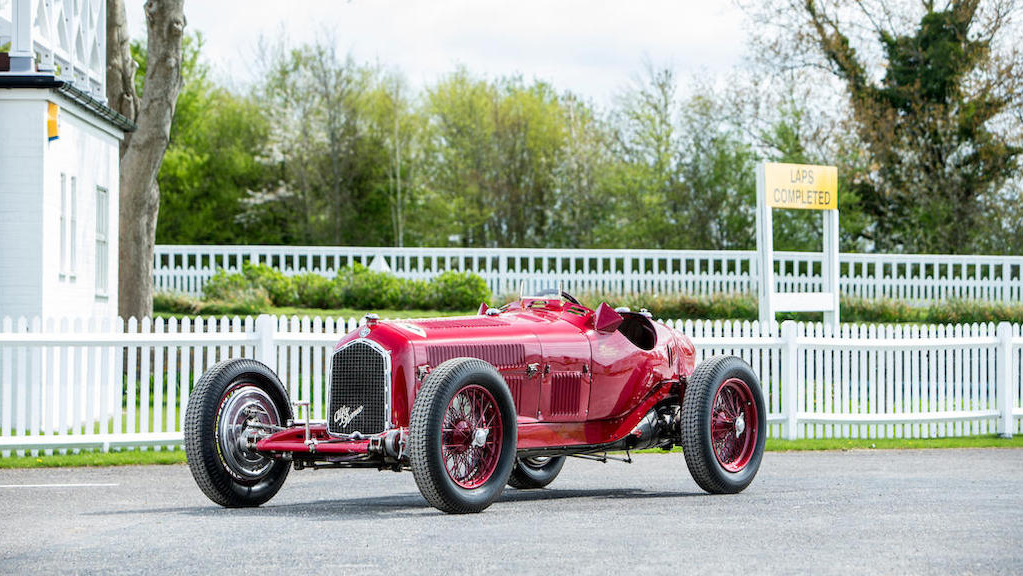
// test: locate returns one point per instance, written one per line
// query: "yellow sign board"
(52, 122)
(801, 186)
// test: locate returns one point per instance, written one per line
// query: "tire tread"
(702, 463)
(429, 478)
(200, 416)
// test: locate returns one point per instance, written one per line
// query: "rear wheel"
(535, 471)
(724, 425)
(226, 401)
(462, 436)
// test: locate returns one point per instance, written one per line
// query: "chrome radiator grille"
(359, 389)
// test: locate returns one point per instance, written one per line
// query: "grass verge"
(986, 441)
(826, 444)
(138, 457)
(96, 458)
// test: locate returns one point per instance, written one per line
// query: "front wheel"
(462, 436)
(225, 404)
(724, 425)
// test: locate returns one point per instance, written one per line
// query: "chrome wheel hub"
(740, 425)
(235, 439)
(479, 438)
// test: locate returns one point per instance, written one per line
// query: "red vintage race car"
(470, 404)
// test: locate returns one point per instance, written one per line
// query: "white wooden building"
(59, 161)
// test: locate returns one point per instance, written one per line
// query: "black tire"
(531, 473)
(426, 454)
(227, 474)
(705, 464)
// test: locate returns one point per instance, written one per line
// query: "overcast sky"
(592, 48)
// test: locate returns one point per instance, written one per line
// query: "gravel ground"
(874, 512)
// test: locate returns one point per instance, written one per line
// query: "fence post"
(1006, 400)
(627, 275)
(266, 348)
(1006, 268)
(789, 372)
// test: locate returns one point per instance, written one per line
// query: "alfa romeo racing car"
(471, 404)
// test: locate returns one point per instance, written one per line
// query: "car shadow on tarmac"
(407, 504)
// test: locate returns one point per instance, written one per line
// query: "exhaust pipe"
(653, 430)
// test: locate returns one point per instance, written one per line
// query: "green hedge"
(744, 307)
(723, 306)
(259, 287)
(970, 311)
(243, 302)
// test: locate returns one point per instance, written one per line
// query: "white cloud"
(592, 48)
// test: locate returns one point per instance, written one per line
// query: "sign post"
(798, 187)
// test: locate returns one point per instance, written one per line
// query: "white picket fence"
(105, 384)
(916, 278)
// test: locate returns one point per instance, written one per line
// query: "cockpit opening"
(639, 330)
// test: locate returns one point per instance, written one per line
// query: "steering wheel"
(561, 294)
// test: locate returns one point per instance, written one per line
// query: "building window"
(73, 228)
(102, 229)
(63, 225)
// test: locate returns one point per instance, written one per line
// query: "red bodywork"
(573, 385)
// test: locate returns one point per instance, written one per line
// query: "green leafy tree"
(933, 91)
(582, 213)
(648, 146)
(685, 176)
(717, 169)
(399, 128)
(460, 112)
(328, 168)
(495, 148)
(211, 161)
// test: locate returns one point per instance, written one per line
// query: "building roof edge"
(69, 91)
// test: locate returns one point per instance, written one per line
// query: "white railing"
(913, 278)
(63, 38)
(103, 384)
(879, 381)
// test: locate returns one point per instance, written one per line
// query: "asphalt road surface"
(896, 512)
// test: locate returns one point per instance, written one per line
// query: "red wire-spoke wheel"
(471, 437)
(462, 436)
(734, 425)
(723, 424)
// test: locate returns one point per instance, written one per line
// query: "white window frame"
(63, 226)
(102, 242)
(73, 231)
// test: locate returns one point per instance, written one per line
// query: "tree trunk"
(120, 67)
(142, 153)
